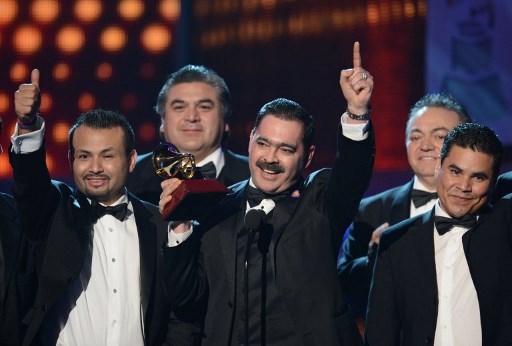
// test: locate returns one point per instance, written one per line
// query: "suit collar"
(147, 233)
(424, 243)
(401, 207)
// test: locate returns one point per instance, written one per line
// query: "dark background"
(264, 49)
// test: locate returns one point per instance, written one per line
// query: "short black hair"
(196, 73)
(104, 119)
(439, 100)
(478, 138)
(286, 109)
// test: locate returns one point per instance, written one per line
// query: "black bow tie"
(255, 196)
(444, 224)
(119, 211)
(420, 197)
(208, 170)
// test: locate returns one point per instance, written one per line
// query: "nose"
(192, 115)
(427, 144)
(465, 184)
(270, 154)
(96, 166)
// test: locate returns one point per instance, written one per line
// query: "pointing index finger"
(357, 55)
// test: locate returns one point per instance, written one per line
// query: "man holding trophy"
(266, 257)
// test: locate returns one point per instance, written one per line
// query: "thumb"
(34, 77)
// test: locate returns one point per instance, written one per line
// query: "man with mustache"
(194, 105)
(430, 120)
(445, 277)
(266, 259)
(98, 248)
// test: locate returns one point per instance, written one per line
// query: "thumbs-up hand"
(27, 100)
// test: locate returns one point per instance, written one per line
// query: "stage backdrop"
(469, 54)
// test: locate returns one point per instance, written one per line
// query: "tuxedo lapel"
(147, 233)
(401, 208)
(234, 204)
(424, 244)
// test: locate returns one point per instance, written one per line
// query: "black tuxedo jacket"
(58, 219)
(503, 186)
(144, 183)
(303, 252)
(16, 278)
(403, 300)
(356, 264)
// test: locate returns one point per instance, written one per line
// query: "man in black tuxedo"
(503, 186)
(445, 277)
(98, 253)
(267, 257)
(194, 106)
(16, 277)
(429, 121)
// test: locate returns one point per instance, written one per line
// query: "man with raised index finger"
(267, 258)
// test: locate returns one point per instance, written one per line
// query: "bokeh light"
(170, 9)
(113, 39)
(129, 101)
(4, 102)
(130, 9)
(19, 72)
(46, 102)
(104, 71)
(9, 10)
(88, 10)
(155, 38)
(70, 39)
(147, 70)
(146, 132)
(61, 71)
(86, 101)
(27, 39)
(45, 11)
(60, 132)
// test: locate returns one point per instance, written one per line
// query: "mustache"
(96, 176)
(270, 166)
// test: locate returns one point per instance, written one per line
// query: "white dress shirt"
(458, 318)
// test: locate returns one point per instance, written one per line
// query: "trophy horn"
(170, 163)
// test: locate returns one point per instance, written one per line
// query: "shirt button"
(111, 230)
(115, 290)
(113, 259)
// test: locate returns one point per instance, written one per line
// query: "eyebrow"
(180, 101)
(474, 174)
(279, 145)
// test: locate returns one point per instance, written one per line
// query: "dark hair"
(289, 110)
(196, 73)
(104, 119)
(477, 138)
(439, 100)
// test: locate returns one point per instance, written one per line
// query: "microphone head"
(254, 219)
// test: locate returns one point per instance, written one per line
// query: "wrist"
(358, 116)
(27, 125)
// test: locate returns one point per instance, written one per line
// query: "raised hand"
(27, 99)
(357, 85)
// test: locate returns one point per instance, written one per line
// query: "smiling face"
(193, 119)
(100, 164)
(464, 181)
(424, 139)
(276, 154)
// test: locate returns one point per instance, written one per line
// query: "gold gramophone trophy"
(196, 196)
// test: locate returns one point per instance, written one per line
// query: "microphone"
(255, 215)
(253, 221)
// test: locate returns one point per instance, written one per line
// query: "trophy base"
(194, 199)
